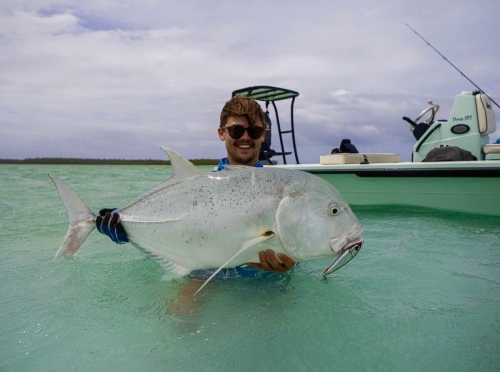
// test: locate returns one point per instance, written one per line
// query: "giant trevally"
(198, 220)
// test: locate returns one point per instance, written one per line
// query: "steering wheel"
(419, 129)
(433, 108)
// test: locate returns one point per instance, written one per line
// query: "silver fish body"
(223, 219)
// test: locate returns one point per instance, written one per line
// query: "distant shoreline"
(85, 161)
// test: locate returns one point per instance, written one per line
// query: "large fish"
(223, 219)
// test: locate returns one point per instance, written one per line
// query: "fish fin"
(181, 167)
(173, 268)
(166, 264)
(81, 219)
(229, 167)
(244, 247)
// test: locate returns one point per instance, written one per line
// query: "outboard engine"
(266, 144)
(266, 153)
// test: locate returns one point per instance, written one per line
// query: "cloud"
(119, 79)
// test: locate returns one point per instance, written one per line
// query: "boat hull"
(466, 187)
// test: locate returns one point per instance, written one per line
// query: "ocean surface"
(422, 295)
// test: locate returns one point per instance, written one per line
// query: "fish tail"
(81, 219)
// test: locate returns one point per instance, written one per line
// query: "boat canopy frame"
(269, 94)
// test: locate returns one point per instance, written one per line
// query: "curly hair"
(246, 106)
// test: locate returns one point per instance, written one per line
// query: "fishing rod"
(446, 59)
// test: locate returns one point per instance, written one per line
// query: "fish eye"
(333, 210)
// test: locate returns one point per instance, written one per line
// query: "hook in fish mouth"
(350, 250)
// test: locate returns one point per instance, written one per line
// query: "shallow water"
(423, 294)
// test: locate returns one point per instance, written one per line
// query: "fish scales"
(193, 215)
(223, 219)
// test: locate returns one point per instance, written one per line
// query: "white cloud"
(119, 79)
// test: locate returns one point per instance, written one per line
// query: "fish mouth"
(349, 251)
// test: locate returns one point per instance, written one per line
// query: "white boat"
(435, 178)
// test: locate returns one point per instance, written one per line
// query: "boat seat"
(347, 158)
(491, 151)
(492, 148)
(485, 115)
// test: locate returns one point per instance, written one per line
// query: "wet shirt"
(225, 161)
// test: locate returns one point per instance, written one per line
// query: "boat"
(435, 178)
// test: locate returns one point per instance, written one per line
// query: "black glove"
(108, 223)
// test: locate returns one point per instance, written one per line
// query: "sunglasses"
(237, 131)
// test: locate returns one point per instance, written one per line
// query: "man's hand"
(269, 262)
(108, 223)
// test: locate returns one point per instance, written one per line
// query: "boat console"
(471, 121)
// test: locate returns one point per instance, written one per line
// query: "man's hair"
(242, 105)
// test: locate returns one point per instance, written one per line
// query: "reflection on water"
(188, 309)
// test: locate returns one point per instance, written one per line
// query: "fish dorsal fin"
(181, 167)
(244, 247)
(229, 167)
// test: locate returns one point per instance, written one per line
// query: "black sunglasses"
(237, 131)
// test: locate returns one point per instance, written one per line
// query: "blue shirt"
(225, 161)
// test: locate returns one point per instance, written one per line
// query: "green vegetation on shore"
(75, 161)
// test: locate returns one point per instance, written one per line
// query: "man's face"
(245, 150)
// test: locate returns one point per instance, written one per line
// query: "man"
(242, 128)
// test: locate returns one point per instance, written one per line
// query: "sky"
(118, 79)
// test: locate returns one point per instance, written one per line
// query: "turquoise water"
(422, 295)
